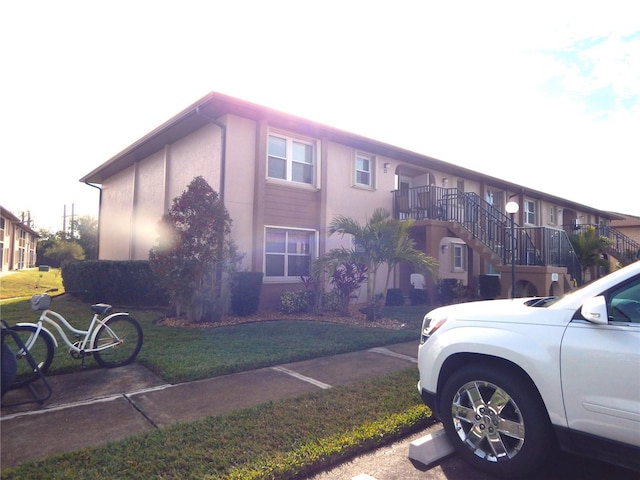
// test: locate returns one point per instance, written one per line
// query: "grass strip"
(325, 452)
(276, 440)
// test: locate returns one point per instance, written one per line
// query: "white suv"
(514, 380)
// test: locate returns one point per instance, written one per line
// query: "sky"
(545, 94)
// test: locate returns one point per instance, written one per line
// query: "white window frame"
(288, 157)
(553, 215)
(458, 257)
(530, 212)
(312, 254)
(371, 160)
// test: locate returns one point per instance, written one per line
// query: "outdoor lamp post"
(512, 208)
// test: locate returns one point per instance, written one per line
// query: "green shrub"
(418, 296)
(395, 297)
(129, 282)
(245, 293)
(301, 301)
(446, 289)
(489, 286)
(374, 308)
(330, 301)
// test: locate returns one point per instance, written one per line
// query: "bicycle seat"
(101, 308)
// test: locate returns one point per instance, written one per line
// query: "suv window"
(624, 303)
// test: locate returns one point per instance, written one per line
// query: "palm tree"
(382, 240)
(589, 246)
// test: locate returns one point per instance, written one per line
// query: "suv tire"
(496, 420)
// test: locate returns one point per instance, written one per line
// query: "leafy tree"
(53, 248)
(64, 251)
(193, 252)
(85, 232)
(383, 240)
(589, 247)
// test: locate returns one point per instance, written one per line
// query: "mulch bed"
(356, 318)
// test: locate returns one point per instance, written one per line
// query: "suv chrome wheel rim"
(488, 421)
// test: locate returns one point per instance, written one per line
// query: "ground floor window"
(459, 257)
(288, 252)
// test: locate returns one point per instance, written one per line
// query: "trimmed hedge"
(129, 282)
(418, 296)
(395, 297)
(245, 293)
(489, 286)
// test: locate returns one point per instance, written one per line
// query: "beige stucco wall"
(149, 202)
(197, 154)
(116, 215)
(343, 198)
(239, 189)
(148, 188)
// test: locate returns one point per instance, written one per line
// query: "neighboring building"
(283, 179)
(18, 242)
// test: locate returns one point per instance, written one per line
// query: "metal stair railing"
(489, 225)
(622, 246)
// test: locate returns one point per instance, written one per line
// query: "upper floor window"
(530, 212)
(288, 252)
(291, 159)
(364, 170)
(553, 215)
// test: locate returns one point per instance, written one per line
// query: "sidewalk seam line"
(304, 378)
(144, 415)
(389, 353)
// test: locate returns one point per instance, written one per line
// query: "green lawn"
(25, 283)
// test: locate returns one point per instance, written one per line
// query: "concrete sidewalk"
(92, 407)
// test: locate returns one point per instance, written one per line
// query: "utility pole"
(64, 219)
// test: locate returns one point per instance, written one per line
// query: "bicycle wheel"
(120, 340)
(41, 348)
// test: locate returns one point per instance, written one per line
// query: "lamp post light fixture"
(512, 208)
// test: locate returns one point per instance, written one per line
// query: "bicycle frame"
(88, 336)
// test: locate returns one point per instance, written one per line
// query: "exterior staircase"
(487, 230)
(618, 244)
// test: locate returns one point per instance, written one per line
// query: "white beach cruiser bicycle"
(113, 341)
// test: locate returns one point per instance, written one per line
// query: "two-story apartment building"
(17, 241)
(283, 179)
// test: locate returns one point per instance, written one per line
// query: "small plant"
(301, 301)
(346, 280)
(418, 296)
(330, 301)
(395, 298)
(374, 308)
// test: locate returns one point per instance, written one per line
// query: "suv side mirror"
(594, 310)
